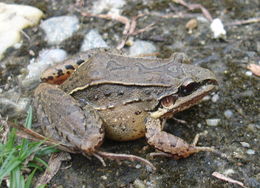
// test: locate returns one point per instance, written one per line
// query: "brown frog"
(122, 98)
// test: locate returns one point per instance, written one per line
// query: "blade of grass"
(47, 150)
(14, 155)
(8, 168)
(34, 165)
(39, 160)
(29, 179)
(3, 171)
(11, 139)
(17, 180)
(28, 121)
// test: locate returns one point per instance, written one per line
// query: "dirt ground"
(237, 92)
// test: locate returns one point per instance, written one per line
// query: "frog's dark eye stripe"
(188, 89)
(79, 62)
(69, 67)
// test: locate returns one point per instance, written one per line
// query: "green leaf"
(17, 180)
(8, 168)
(47, 150)
(29, 179)
(34, 165)
(28, 121)
(13, 154)
(39, 160)
(11, 139)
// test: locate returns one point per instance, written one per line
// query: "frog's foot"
(117, 156)
(173, 146)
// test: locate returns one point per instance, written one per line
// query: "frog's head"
(196, 83)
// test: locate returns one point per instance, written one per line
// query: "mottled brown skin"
(125, 99)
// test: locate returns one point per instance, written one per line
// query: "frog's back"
(105, 68)
(110, 68)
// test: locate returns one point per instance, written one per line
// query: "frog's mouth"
(186, 97)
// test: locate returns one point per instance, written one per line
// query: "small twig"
(122, 19)
(53, 167)
(225, 178)
(146, 28)
(241, 22)
(179, 120)
(181, 14)
(122, 43)
(160, 154)
(26, 36)
(129, 28)
(133, 23)
(118, 156)
(100, 159)
(196, 6)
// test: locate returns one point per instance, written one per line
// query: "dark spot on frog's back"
(69, 67)
(79, 62)
(60, 72)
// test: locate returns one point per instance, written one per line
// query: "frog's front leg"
(64, 120)
(166, 142)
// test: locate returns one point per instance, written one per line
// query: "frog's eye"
(187, 89)
(168, 100)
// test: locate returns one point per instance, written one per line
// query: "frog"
(109, 94)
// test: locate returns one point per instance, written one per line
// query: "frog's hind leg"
(172, 145)
(63, 119)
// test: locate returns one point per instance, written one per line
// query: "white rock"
(104, 177)
(217, 28)
(138, 166)
(228, 114)
(57, 29)
(206, 98)
(111, 6)
(212, 122)
(249, 73)
(250, 152)
(215, 98)
(92, 40)
(47, 57)
(141, 47)
(14, 18)
(139, 184)
(245, 144)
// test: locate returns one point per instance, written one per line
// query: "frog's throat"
(183, 103)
